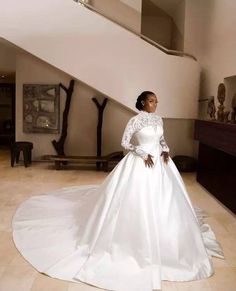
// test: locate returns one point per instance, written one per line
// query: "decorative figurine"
(226, 116)
(221, 99)
(211, 109)
(233, 113)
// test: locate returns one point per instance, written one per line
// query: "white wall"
(101, 54)
(210, 30)
(195, 26)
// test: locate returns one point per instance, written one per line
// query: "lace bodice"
(135, 124)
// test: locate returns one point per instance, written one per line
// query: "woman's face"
(150, 104)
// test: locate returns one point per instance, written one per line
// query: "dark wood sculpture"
(62, 159)
(100, 108)
(59, 145)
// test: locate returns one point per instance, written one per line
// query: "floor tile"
(17, 278)
(224, 279)
(83, 287)
(45, 283)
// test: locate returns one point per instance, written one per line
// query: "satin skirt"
(128, 234)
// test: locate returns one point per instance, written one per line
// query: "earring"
(142, 103)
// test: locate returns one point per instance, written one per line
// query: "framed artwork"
(41, 108)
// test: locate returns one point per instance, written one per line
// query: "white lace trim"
(136, 123)
(163, 144)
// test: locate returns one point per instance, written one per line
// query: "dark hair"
(142, 97)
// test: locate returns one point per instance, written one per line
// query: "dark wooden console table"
(217, 160)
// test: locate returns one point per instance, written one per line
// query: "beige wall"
(179, 135)
(7, 58)
(121, 12)
(178, 15)
(156, 24)
(161, 34)
(210, 30)
(164, 23)
(135, 4)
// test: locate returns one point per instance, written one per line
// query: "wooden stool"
(24, 146)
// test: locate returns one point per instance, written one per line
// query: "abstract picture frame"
(41, 108)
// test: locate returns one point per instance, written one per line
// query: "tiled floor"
(19, 183)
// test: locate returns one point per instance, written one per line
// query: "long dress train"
(128, 234)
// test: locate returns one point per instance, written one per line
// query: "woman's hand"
(165, 157)
(149, 162)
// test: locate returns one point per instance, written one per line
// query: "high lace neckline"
(145, 118)
(145, 112)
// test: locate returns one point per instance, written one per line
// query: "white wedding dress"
(128, 234)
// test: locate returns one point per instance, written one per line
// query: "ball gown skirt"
(128, 234)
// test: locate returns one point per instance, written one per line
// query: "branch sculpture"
(100, 108)
(59, 145)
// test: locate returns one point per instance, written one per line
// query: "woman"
(128, 234)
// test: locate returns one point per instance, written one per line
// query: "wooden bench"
(103, 160)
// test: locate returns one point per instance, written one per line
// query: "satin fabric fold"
(128, 234)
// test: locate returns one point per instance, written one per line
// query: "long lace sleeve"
(163, 143)
(127, 135)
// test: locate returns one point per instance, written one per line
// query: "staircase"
(102, 54)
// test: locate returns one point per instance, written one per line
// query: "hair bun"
(142, 97)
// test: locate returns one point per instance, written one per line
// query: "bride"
(131, 232)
